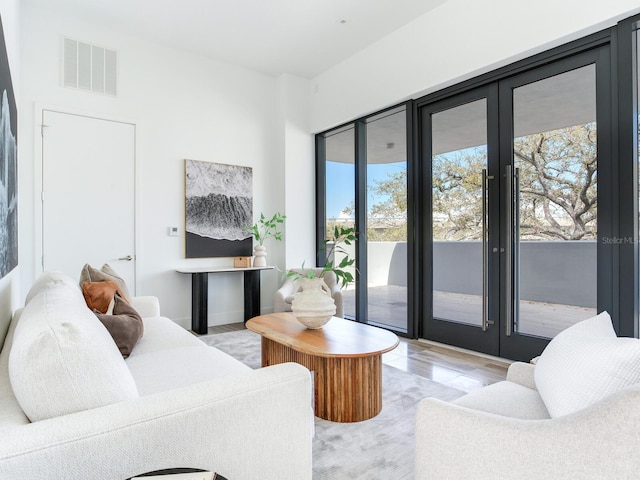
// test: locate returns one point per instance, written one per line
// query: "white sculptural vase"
(260, 256)
(312, 304)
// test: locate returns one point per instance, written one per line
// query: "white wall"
(184, 106)
(10, 284)
(457, 40)
(299, 171)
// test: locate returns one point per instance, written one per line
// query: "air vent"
(89, 67)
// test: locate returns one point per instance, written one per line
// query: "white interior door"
(88, 184)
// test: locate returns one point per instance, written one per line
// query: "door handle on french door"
(485, 270)
(516, 249)
(128, 258)
(508, 249)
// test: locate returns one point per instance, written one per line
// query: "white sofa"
(174, 402)
(573, 415)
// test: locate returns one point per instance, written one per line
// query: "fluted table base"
(345, 389)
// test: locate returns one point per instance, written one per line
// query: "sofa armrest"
(522, 373)
(254, 426)
(600, 442)
(146, 306)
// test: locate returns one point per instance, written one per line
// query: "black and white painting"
(219, 208)
(8, 167)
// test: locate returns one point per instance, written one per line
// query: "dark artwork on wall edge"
(8, 166)
(218, 209)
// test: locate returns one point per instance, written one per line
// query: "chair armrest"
(599, 442)
(258, 425)
(336, 294)
(522, 373)
(280, 303)
(146, 306)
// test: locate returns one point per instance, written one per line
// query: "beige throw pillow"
(91, 274)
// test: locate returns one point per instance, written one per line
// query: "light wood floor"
(453, 367)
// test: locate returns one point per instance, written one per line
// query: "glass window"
(459, 155)
(340, 193)
(386, 140)
(556, 161)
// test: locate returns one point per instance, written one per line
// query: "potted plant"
(312, 303)
(263, 229)
(341, 235)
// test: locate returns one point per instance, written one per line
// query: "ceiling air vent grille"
(89, 67)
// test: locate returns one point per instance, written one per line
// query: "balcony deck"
(388, 306)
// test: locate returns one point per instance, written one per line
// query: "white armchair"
(284, 295)
(504, 431)
(574, 414)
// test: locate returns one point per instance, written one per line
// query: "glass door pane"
(458, 160)
(386, 144)
(555, 202)
(340, 194)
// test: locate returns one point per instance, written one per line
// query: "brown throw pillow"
(98, 295)
(125, 325)
(90, 274)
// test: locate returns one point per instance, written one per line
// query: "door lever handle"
(485, 269)
(128, 258)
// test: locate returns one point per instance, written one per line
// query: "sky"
(340, 183)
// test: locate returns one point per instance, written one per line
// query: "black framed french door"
(517, 184)
(459, 156)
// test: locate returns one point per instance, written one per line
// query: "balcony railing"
(557, 283)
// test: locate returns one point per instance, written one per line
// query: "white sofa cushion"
(508, 399)
(164, 370)
(584, 364)
(46, 279)
(62, 359)
(162, 333)
(10, 412)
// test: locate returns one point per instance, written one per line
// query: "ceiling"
(307, 37)
(300, 37)
(553, 103)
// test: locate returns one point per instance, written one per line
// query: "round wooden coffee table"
(344, 356)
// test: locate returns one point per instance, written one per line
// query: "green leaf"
(346, 262)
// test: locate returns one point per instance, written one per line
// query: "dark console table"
(200, 293)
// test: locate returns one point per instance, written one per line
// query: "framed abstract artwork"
(218, 209)
(8, 166)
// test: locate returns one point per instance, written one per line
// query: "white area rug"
(378, 449)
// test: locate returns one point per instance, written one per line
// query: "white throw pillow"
(48, 278)
(62, 358)
(584, 364)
